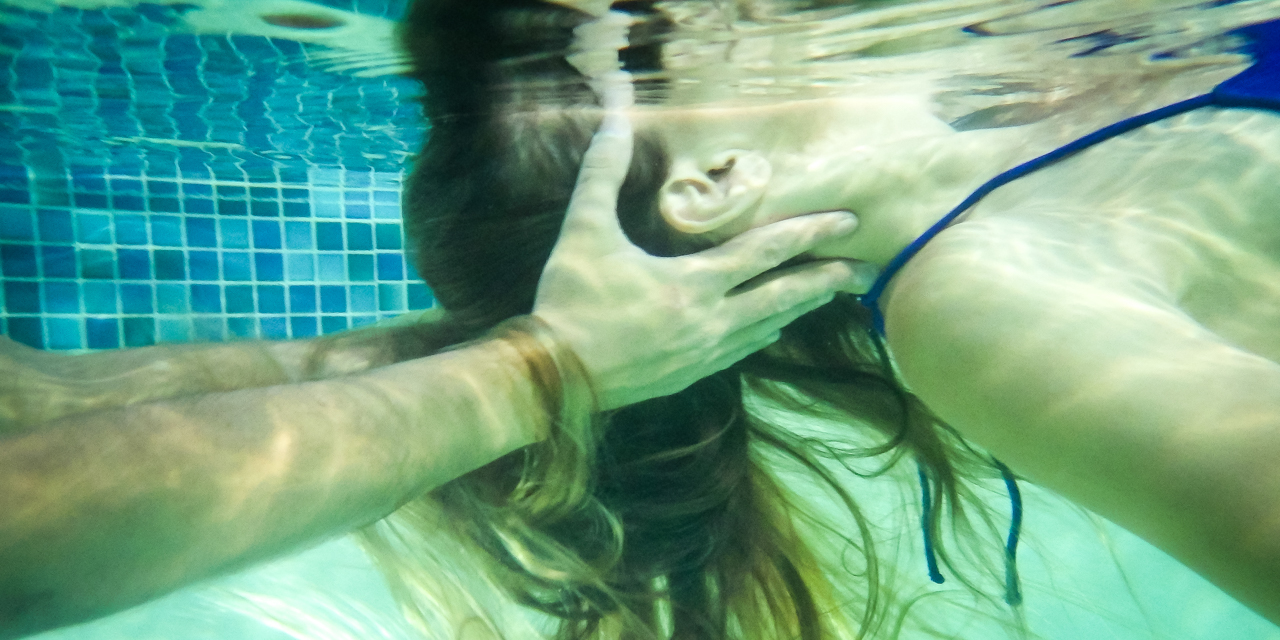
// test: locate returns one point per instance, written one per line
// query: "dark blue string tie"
(1012, 583)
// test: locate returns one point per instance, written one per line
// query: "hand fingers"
(759, 250)
(779, 298)
(594, 206)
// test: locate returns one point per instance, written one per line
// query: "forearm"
(101, 511)
(39, 387)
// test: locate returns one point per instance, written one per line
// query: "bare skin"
(1109, 326)
(126, 475)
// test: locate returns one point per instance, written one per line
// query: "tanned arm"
(166, 492)
(1112, 397)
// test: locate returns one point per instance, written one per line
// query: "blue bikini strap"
(1257, 87)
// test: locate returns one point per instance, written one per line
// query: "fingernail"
(847, 222)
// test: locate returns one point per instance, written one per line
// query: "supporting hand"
(645, 326)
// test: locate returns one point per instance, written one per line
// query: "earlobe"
(697, 201)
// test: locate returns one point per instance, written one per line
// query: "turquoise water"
(206, 171)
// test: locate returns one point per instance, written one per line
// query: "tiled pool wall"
(134, 260)
(157, 186)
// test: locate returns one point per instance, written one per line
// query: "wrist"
(565, 397)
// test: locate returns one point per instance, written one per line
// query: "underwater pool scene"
(212, 170)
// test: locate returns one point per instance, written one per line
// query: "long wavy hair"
(667, 519)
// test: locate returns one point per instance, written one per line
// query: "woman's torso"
(1184, 213)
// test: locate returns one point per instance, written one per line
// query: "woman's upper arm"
(1111, 397)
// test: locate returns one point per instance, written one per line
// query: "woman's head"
(683, 525)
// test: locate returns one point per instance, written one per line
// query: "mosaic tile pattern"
(159, 186)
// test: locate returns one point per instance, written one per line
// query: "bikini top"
(1257, 87)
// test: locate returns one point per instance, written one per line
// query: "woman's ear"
(695, 200)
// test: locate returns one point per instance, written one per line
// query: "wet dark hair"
(680, 527)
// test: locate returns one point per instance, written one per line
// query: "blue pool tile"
(264, 208)
(168, 188)
(102, 333)
(126, 185)
(169, 265)
(271, 298)
(201, 232)
(172, 298)
(391, 297)
(268, 267)
(55, 225)
(358, 210)
(386, 197)
(18, 260)
(357, 179)
(206, 298)
(166, 231)
(175, 330)
(15, 196)
(131, 229)
(93, 228)
(298, 235)
(97, 264)
(332, 324)
(200, 206)
(294, 194)
(233, 207)
(302, 298)
(139, 332)
(418, 296)
(232, 191)
(329, 236)
(135, 264)
(136, 298)
(302, 326)
(209, 329)
(234, 232)
(239, 298)
(91, 200)
(359, 236)
(170, 205)
(333, 299)
(241, 328)
(58, 261)
(331, 267)
(235, 266)
(21, 297)
(203, 265)
(128, 202)
(302, 267)
(297, 209)
(15, 224)
(390, 266)
(274, 327)
(27, 330)
(364, 299)
(362, 321)
(327, 209)
(64, 333)
(100, 297)
(88, 179)
(388, 236)
(60, 297)
(360, 267)
(266, 234)
(387, 212)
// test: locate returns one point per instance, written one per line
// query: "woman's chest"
(1186, 212)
